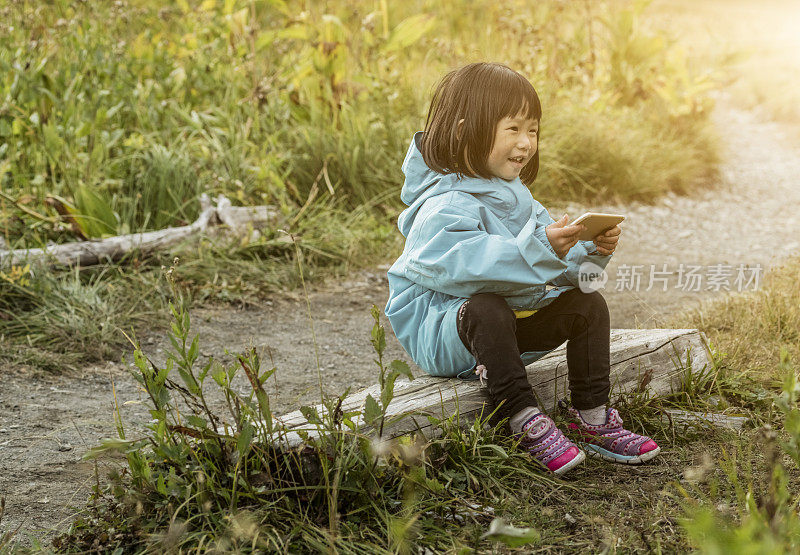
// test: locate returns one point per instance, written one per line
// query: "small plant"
(17, 275)
(375, 411)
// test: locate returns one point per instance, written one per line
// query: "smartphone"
(596, 223)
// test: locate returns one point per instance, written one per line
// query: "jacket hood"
(422, 183)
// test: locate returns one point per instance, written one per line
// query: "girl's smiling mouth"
(518, 160)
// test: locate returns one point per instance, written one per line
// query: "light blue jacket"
(466, 236)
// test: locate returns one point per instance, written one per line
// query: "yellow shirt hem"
(524, 313)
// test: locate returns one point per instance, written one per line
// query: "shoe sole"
(605, 454)
(579, 458)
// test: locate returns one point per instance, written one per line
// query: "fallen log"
(696, 419)
(649, 361)
(87, 253)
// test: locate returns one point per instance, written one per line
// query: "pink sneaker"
(611, 441)
(548, 446)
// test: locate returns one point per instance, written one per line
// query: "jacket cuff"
(591, 248)
(541, 234)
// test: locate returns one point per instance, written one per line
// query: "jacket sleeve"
(450, 252)
(582, 251)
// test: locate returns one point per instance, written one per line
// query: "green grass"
(202, 477)
(126, 112)
(57, 319)
(117, 116)
(77, 314)
(751, 329)
(579, 157)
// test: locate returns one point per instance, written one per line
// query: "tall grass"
(125, 112)
(115, 117)
(752, 328)
(160, 189)
(587, 148)
(55, 319)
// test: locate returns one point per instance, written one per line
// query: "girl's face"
(515, 142)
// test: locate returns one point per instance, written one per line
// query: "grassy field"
(201, 479)
(115, 117)
(123, 113)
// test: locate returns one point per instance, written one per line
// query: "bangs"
(515, 96)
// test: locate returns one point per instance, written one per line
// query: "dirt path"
(47, 422)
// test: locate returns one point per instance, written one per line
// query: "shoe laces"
(617, 438)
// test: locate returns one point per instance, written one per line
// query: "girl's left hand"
(607, 242)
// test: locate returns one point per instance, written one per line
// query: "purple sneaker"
(611, 441)
(548, 446)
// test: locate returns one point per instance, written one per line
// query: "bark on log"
(651, 361)
(87, 253)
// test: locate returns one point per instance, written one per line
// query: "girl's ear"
(459, 127)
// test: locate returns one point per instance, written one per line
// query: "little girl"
(487, 274)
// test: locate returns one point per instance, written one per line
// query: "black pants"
(495, 337)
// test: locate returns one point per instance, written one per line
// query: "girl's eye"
(513, 128)
(534, 131)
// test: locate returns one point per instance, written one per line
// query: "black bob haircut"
(481, 94)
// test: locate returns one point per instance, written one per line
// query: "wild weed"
(76, 313)
(216, 467)
(751, 328)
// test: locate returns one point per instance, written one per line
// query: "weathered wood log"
(650, 361)
(696, 419)
(87, 253)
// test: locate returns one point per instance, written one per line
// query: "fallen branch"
(87, 253)
(240, 218)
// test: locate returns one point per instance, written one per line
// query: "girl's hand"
(607, 242)
(563, 237)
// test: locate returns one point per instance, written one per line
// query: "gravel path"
(47, 422)
(751, 218)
